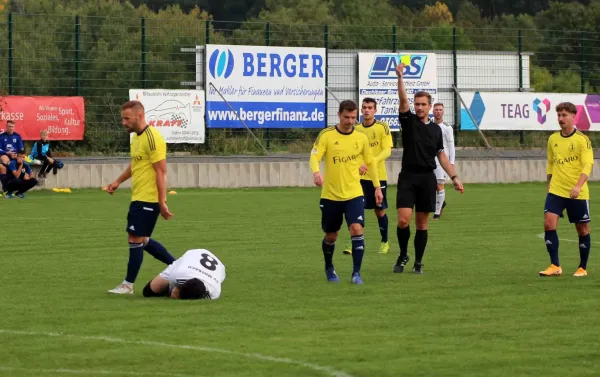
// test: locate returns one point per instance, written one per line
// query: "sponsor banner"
(377, 79)
(527, 111)
(177, 114)
(269, 87)
(62, 117)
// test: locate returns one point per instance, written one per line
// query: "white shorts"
(440, 174)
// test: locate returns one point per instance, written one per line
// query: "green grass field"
(479, 310)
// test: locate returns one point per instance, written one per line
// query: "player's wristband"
(454, 176)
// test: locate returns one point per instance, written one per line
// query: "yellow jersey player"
(342, 148)
(570, 162)
(147, 170)
(380, 141)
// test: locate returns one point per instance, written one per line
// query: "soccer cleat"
(356, 279)
(22, 196)
(122, 289)
(332, 276)
(435, 217)
(417, 268)
(348, 250)
(580, 272)
(9, 195)
(384, 248)
(551, 271)
(399, 267)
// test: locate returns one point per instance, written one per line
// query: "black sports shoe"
(402, 261)
(418, 268)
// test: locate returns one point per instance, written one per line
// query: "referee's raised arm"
(404, 105)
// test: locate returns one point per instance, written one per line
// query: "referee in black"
(422, 142)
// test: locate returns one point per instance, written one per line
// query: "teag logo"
(221, 64)
(384, 66)
(541, 107)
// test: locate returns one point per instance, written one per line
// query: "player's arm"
(404, 105)
(386, 145)
(316, 155)
(20, 145)
(122, 178)
(587, 162)
(157, 287)
(451, 147)
(14, 168)
(549, 162)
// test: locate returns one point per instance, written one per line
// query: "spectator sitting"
(10, 143)
(20, 177)
(41, 151)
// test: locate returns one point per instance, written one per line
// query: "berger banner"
(527, 111)
(178, 114)
(267, 87)
(377, 79)
(62, 117)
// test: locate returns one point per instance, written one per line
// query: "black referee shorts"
(416, 190)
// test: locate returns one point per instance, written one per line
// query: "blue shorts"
(333, 212)
(578, 210)
(369, 192)
(142, 218)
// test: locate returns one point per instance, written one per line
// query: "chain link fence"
(101, 57)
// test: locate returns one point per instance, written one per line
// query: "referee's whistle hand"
(318, 179)
(458, 186)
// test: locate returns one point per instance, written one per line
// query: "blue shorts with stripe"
(578, 210)
(333, 213)
(142, 218)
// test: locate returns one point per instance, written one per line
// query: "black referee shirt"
(421, 143)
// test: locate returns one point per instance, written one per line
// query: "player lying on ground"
(196, 275)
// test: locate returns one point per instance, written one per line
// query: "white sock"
(439, 201)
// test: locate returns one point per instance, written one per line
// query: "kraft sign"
(527, 111)
(267, 87)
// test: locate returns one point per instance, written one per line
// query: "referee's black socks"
(403, 237)
(420, 244)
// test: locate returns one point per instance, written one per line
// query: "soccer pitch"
(480, 309)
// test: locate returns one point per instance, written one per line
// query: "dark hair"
(347, 105)
(566, 106)
(422, 93)
(370, 100)
(22, 151)
(10, 121)
(193, 289)
(135, 105)
(438, 104)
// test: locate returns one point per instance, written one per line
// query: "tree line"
(101, 48)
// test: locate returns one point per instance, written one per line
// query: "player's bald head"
(133, 105)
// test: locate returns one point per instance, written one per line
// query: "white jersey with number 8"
(200, 264)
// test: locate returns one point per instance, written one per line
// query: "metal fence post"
(143, 27)
(326, 44)
(520, 47)
(455, 81)
(268, 43)
(77, 57)
(207, 24)
(11, 90)
(582, 62)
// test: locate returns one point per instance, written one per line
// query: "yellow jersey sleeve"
(157, 147)
(319, 149)
(587, 154)
(550, 156)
